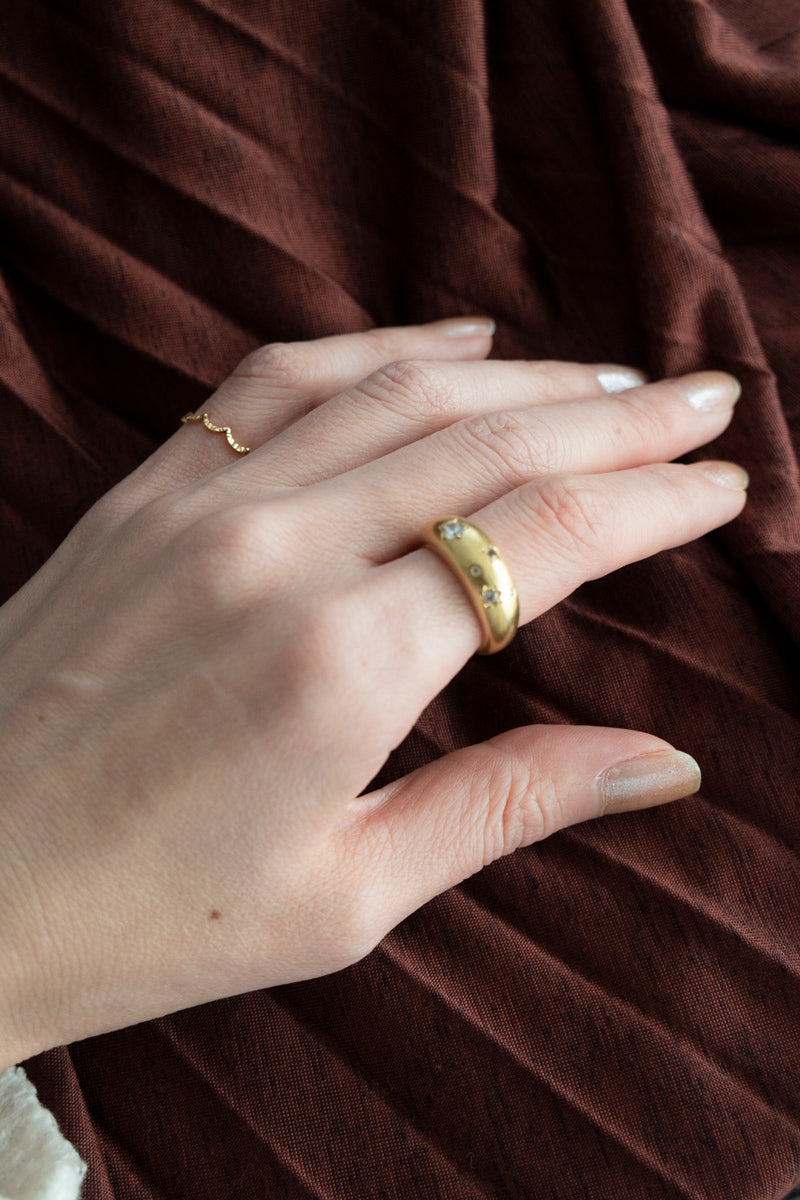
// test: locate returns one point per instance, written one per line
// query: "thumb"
(447, 820)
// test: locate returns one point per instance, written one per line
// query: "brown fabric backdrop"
(614, 1013)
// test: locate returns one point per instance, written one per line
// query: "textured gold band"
(476, 561)
(226, 429)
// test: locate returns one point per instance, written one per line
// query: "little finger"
(279, 383)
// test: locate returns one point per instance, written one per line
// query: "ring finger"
(473, 462)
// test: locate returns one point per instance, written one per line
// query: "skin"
(209, 671)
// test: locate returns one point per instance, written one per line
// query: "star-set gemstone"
(479, 565)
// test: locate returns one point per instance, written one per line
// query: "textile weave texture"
(614, 1013)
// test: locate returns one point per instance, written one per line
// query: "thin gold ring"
(479, 567)
(226, 429)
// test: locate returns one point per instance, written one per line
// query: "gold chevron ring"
(486, 579)
(226, 429)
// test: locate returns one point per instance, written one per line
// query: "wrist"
(30, 960)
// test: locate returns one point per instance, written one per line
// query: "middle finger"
(475, 461)
(406, 400)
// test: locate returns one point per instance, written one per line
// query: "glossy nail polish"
(707, 390)
(619, 379)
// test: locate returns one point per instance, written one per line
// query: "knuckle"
(524, 809)
(574, 512)
(667, 488)
(279, 365)
(323, 663)
(221, 559)
(322, 652)
(551, 378)
(650, 422)
(412, 388)
(511, 446)
(150, 527)
(331, 668)
(670, 475)
(105, 515)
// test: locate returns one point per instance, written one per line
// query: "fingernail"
(647, 780)
(619, 379)
(464, 327)
(705, 390)
(726, 474)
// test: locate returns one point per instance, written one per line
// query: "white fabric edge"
(36, 1160)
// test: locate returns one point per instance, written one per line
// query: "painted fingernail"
(706, 390)
(647, 780)
(464, 327)
(619, 379)
(726, 474)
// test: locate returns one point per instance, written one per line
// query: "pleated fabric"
(614, 1013)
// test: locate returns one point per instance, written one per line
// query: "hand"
(222, 654)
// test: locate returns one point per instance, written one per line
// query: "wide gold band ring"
(486, 579)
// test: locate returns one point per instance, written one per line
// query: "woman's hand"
(222, 654)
